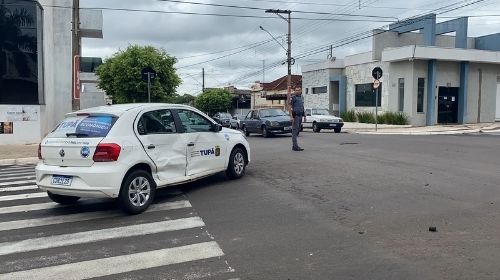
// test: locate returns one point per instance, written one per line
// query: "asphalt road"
(348, 207)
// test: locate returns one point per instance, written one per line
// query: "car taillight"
(40, 151)
(107, 152)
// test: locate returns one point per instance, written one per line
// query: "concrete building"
(36, 66)
(431, 77)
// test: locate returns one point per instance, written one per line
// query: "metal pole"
(376, 109)
(289, 62)
(149, 87)
(203, 80)
(75, 48)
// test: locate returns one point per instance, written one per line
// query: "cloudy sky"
(234, 50)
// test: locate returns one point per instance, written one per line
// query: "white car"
(319, 119)
(234, 122)
(128, 151)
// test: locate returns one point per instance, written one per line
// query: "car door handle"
(151, 146)
(191, 144)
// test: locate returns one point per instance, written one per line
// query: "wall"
(57, 63)
(362, 74)
(403, 69)
(26, 126)
(316, 78)
(488, 93)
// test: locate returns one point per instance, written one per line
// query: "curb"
(451, 132)
(30, 160)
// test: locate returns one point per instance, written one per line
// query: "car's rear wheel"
(137, 192)
(63, 199)
(265, 132)
(316, 128)
(337, 130)
(245, 130)
(237, 164)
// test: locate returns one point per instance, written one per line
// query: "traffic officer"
(297, 113)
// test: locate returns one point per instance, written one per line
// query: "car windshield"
(84, 127)
(272, 113)
(320, 112)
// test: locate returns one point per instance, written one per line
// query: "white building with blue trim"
(431, 77)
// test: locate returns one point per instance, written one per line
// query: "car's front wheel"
(63, 199)
(265, 132)
(237, 164)
(337, 130)
(137, 192)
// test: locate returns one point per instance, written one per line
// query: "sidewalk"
(18, 154)
(362, 128)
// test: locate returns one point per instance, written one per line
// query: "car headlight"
(275, 124)
(324, 120)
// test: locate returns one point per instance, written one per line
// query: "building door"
(497, 115)
(448, 105)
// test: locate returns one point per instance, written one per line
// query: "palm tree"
(18, 50)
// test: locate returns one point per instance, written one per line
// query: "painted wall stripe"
(98, 235)
(54, 220)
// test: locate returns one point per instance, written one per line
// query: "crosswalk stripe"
(17, 168)
(98, 235)
(2, 184)
(22, 196)
(22, 188)
(18, 177)
(30, 207)
(17, 173)
(121, 264)
(54, 220)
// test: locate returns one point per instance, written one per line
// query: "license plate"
(62, 180)
(333, 124)
(288, 128)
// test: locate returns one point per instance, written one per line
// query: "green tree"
(186, 99)
(120, 75)
(213, 101)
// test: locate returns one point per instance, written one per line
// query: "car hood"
(277, 119)
(230, 131)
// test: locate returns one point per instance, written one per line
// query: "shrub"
(349, 116)
(366, 117)
(398, 118)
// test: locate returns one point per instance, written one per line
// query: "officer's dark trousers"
(297, 121)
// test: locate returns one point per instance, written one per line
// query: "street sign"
(377, 73)
(148, 71)
(376, 84)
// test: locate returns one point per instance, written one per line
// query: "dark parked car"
(266, 122)
(222, 118)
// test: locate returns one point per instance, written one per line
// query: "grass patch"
(398, 118)
(365, 117)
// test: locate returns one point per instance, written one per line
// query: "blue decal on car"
(85, 152)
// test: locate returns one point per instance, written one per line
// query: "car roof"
(119, 109)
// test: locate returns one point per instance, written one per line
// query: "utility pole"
(263, 71)
(203, 80)
(289, 50)
(75, 51)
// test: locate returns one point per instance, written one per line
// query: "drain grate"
(349, 143)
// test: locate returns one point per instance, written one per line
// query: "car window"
(308, 112)
(321, 112)
(86, 126)
(194, 122)
(272, 113)
(156, 122)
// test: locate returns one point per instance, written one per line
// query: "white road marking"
(98, 235)
(22, 196)
(54, 220)
(17, 173)
(120, 264)
(17, 183)
(30, 207)
(27, 168)
(18, 178)
(22, 188)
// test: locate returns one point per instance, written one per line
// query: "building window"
(365, 95)
(20, 24)
(401, 87)
(420, 95)
(318, 90)
(307, 90)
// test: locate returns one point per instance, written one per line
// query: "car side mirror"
(216, 127)
(308, 114)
